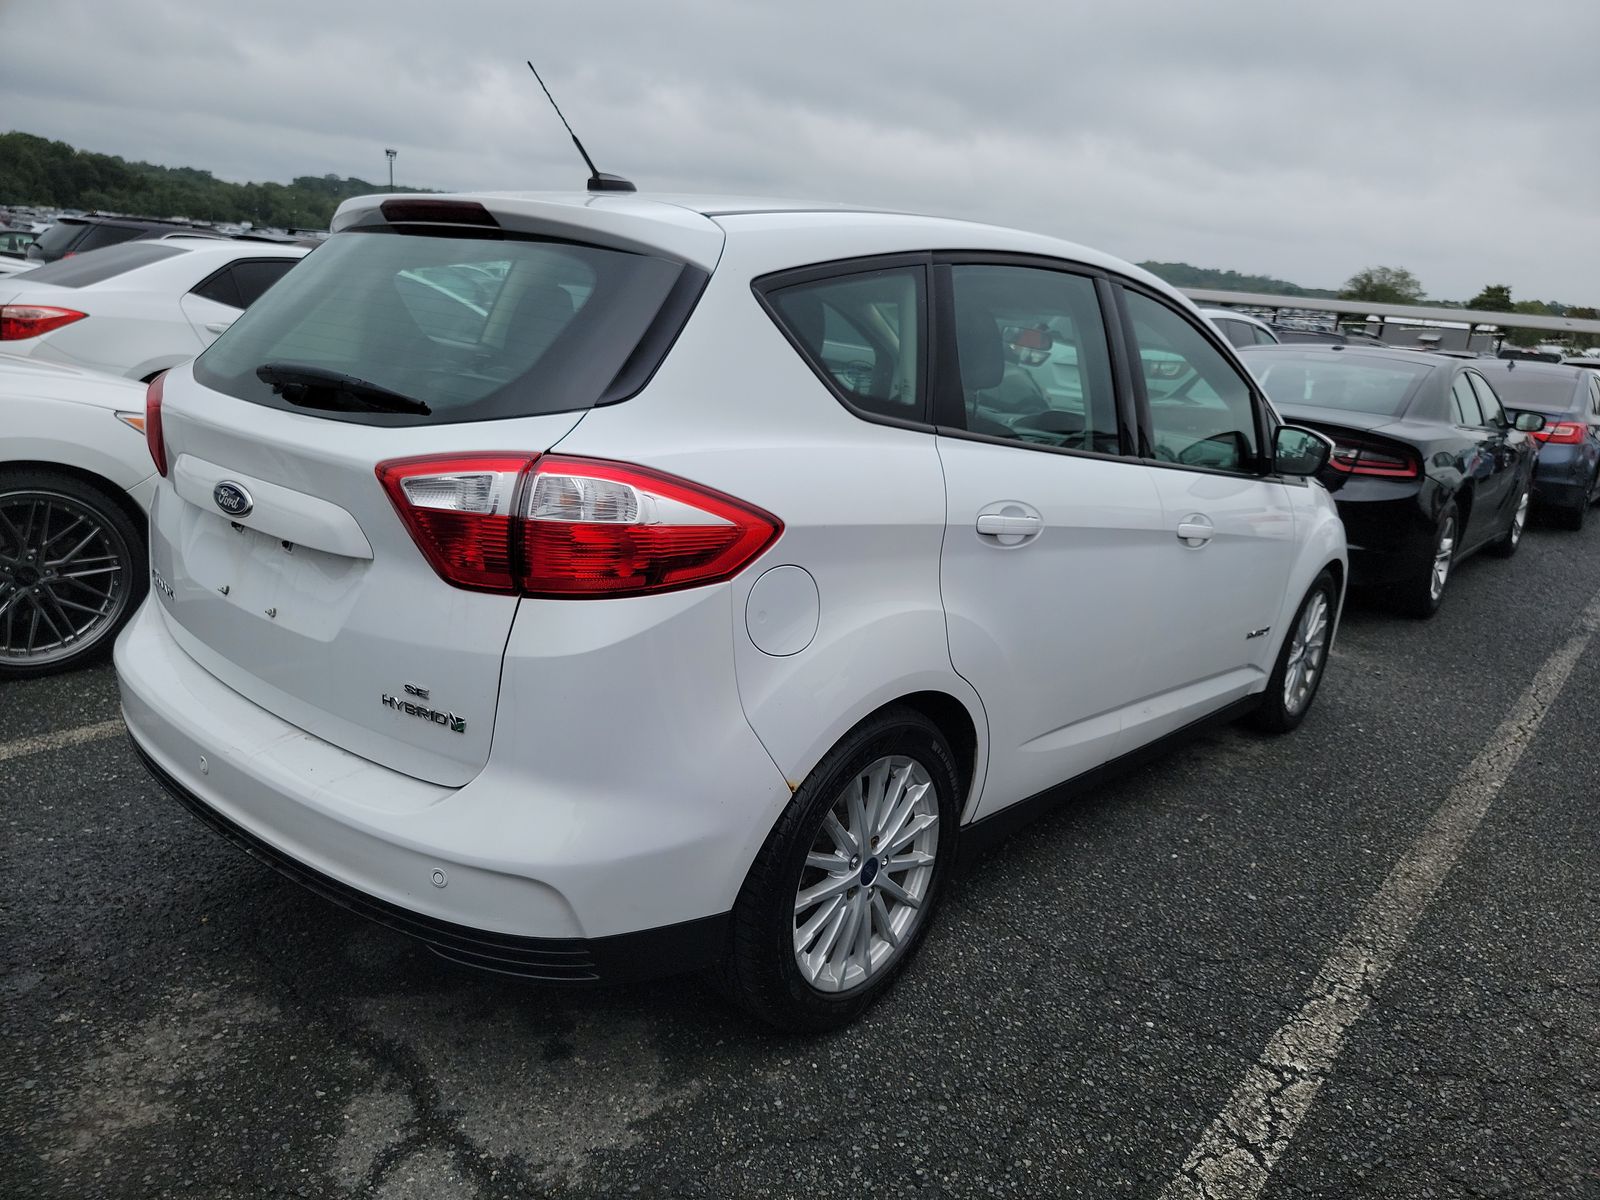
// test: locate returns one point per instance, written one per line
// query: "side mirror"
(1529, 422)
(1297, 451)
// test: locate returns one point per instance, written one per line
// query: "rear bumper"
(563, 859)
(623, 957)
(1390, 537)
(1560, 477)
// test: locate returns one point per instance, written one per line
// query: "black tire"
(1506, 545)
(1278, 712)
(1573, 517)
(72, 618)
(1417, 597)
(761, 973)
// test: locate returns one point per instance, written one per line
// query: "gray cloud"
(1302, 141)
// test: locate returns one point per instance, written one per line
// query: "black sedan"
(1428, 467)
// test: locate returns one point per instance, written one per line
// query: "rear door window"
(1463, 403)
(1488, 402)
(1034, 362)
(474, 328)
(240, 284)
(863, 334)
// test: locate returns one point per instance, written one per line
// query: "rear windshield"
(1543, 393)
(101, 265)
(474, 328)
(58, 238)
(1382, 389)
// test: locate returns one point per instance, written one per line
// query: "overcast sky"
(1303, 140)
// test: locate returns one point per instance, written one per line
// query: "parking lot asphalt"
(179, 1021)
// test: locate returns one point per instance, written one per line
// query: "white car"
(75, 483)
(137, 308)
(690, 603)
(1241, 328)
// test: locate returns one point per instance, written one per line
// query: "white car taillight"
(564, 527)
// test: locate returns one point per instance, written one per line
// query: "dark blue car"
(1566, 480)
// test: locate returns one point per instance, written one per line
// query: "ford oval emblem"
(232, 499)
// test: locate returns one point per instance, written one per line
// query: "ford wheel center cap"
(232, 499)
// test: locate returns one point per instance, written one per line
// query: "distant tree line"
(36, 171)
(1182, 275)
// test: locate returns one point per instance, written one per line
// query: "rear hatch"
(285, 564)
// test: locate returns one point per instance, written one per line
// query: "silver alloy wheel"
(1307, 649)
(1519, 519)
(1442, 556)
(63, 577)
(867, 875)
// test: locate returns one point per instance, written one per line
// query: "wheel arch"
(118, 496)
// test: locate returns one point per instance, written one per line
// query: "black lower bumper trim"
(647, 954)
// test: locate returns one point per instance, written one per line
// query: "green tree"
(1583, 341)
(1530, 337)
(1496, 297)
(1385, 285)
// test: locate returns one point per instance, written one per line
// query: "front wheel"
(844, 889)
(1298, 671)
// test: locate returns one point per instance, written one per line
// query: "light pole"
(391, 154)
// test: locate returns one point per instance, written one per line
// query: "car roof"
(1372, 354)
(1233, 314)
(230, 248)
(697, 227)
(1524, 368)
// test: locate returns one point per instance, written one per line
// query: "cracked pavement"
(180, 1022)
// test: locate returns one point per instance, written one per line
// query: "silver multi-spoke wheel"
(64, 577)
(1307, 649)
(1519, 519)
(866, 875)
(1443, 555)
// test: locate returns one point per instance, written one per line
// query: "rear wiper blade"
(296, 382)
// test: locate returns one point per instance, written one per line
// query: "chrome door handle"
(996, 525)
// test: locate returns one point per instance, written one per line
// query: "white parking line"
(66, 737)
(1235, 1157)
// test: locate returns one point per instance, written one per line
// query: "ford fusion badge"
(232, 499)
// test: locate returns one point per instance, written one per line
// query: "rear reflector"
(152, 423)
(1562, 433)
(1353, 456)
(563, 527)
(18, 321)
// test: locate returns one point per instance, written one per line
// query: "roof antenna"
(598, 181)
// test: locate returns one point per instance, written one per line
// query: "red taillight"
(570, 527)
(459, 511)
(152, 423)
(1355, 457)
(19, 321)
(1562, 433)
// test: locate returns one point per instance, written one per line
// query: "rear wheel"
(72, 571)
(1573, 516)
(1298, 672)
(1512, 538)
(846, 885)
(1421, 595)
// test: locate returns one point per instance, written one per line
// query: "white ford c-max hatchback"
(595, 586)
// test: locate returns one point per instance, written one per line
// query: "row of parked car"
(597, 586)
